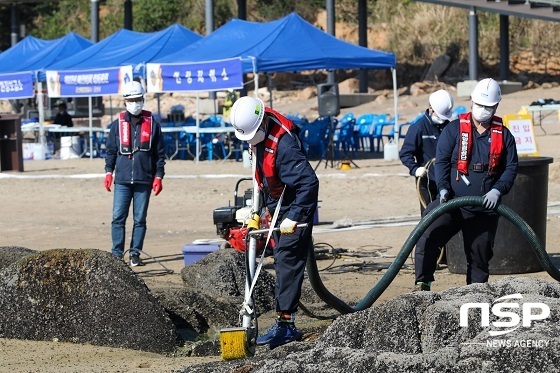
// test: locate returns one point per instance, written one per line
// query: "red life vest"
(278, 126)
(465, 143)
(125, 136)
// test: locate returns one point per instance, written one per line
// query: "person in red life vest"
(282, 172)
(135, 154)
(475, 156)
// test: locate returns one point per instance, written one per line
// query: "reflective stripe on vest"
(465, 144)
(125, 137)
(278, 127)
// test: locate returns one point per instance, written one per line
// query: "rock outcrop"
(421, 332)
(82, 296)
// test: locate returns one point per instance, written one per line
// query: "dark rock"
(199, 312)
(341, 333)
(438, 67)
(82, 296)
(353, 343)
(222, 273)
(206, 348)
(392, 326)
(11, 254)
(440, 361)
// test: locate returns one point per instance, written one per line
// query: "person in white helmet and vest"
(282, 169)
(475, 156)
(419, 147)
(136, 157)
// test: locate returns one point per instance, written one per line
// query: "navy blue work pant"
(290, 257)
(479, 231)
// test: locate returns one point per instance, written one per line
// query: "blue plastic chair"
(314, 136)
(364, 130)
(298, 119)
(458, 110)
(343, 137)
(403, 128)
(206, 139)
(381, 123)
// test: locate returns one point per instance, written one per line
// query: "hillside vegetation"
(416, 32)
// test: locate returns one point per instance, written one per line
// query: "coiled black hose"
(394, 268)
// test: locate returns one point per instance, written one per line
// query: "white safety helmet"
(487, 92)
(133, 90)
(442, 104)
(246, 116)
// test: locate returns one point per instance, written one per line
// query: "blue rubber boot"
(265, 338)
(284, 333)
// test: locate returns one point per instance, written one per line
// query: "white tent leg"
(90, 128)
(197, 126)
(395, 100)
(41, 107)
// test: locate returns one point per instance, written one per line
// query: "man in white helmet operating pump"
(476, 156)
(419, 147)
(135, 155)
(282, 173)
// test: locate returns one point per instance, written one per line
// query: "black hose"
(401, 257)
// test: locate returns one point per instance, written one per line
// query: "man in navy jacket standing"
(419, 147)
(284, 175)
(135, 154)
(476, 156)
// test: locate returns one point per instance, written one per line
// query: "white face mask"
(437, 120)
(482, 114)
(260, 135)
(134, 108)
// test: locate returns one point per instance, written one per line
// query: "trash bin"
(512, 251)
(11, 146)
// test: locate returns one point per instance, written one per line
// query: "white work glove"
(288, 226)
(420, 172)
(491, 198)
(443, 196)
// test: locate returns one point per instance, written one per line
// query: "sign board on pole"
(521, 127)
(16, 85)
(195, 76)
(88, 83)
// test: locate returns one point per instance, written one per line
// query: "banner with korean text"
(195, 76)
(16, 85)
(94, 82)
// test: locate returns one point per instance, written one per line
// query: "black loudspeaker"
(327, 94)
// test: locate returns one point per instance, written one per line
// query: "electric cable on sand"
(394, 268)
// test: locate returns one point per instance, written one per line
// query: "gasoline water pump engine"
(230, 220)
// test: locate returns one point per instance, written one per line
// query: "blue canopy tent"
(287, 44)
(126, 47)
(24, 49)
(35, 55)
(43, 55)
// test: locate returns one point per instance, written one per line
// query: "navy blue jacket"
(302, 185)
(142, 166)
(446, 163)
(420, 144)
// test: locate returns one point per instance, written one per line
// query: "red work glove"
(156, 186)
(108, 181)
